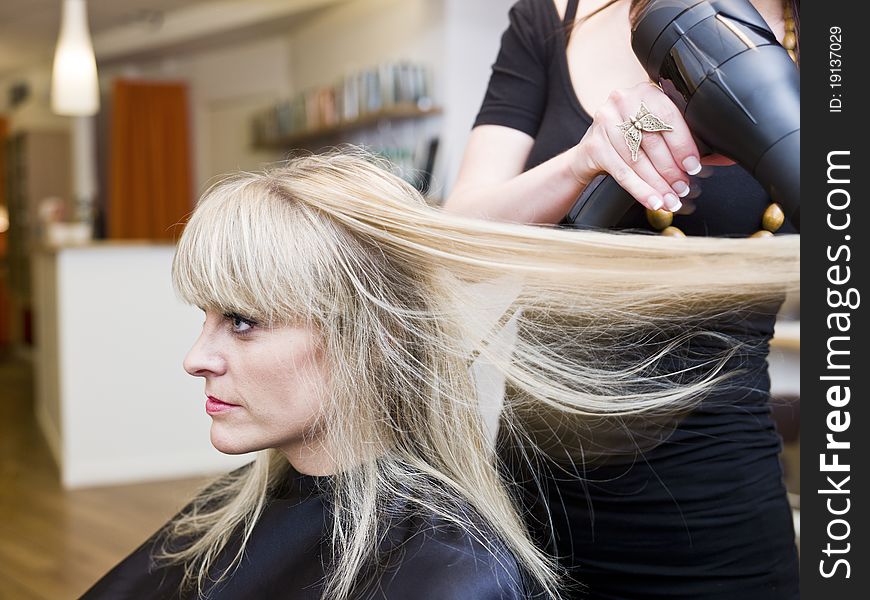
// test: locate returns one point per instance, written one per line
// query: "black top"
(531, 90)
(422, 557)
(704, 514)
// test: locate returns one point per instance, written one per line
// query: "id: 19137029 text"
(835, 69)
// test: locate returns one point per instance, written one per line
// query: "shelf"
(302, 138)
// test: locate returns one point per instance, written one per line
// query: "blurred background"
(102, 434)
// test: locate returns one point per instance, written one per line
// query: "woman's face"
(263, 388)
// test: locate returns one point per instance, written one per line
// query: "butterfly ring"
(633, 129)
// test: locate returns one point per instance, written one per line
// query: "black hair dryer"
(738, 89)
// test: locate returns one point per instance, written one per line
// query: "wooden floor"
(55, 543)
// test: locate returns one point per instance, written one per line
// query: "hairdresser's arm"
(492, 185)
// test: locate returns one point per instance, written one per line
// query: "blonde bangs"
(250, 250)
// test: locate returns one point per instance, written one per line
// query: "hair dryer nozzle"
(738, 89)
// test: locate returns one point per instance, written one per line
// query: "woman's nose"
(204, 360)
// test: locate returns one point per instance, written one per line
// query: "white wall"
(457, 38)
(226, 87)
(472, 38)
(363, 33)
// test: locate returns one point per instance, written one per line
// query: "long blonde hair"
(406, 297)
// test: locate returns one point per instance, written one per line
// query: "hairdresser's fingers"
(647, 171)
(679, 139)
(639, 163)
(629, 178)
(597, 155)
(660, 133)
(659, 155)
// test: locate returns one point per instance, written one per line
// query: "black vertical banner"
(835, 220)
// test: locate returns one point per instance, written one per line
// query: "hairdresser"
(704, 513)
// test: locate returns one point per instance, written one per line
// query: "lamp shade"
(74, 87)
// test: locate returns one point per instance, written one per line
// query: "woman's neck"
(310, 458)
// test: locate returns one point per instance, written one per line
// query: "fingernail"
(692, 165)
(672, 203)
(681, 189)
(654, 202)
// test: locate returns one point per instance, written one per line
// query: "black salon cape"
(704, 515)
(429, 559)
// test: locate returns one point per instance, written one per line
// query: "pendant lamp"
(74, 86)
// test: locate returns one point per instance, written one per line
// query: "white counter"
(112, 398)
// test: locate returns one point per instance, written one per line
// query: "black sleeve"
(517, 89)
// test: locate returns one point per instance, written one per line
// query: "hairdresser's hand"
(660, 175)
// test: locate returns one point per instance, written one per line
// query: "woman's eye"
(240, 324)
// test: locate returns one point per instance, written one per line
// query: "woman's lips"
(214, 406)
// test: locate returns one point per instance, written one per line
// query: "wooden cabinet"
(37, 167)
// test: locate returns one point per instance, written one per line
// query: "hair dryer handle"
(603, 203)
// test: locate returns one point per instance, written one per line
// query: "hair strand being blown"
(405, 297)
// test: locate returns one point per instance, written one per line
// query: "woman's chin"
(229, 445)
